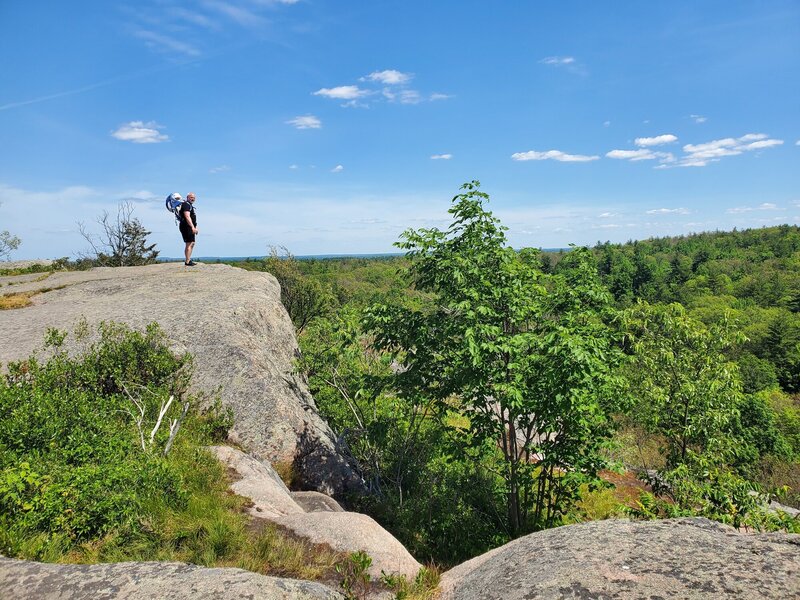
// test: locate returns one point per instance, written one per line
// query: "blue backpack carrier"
(173, 204)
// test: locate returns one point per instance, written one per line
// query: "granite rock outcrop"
(232, 322)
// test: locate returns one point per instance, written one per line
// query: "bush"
(70, 453)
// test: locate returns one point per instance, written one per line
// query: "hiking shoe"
(191, 263)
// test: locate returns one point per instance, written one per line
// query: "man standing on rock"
(188, 227)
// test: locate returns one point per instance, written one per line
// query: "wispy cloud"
(441, 157)
(669, 211)
(193, 17)
(658, 140)
(342, 92)
(305, 122)
(640, 154)
(389, 77)
(558, 60)
(394, 89)
(337, 169)
(552, 155)
(699, 155)
(166, 43)
(238, 14)
(140, 132)
(698, 118)
(745, 209)
(219, 169)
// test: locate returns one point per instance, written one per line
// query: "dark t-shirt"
(184, 207)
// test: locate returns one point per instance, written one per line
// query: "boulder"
(324, 522)
(230, 320)
(259, 482)
(316, 502)
(351, 532)
(148, 580)
(675, 558)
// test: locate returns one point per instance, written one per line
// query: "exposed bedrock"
(675, 558)
(230, 320)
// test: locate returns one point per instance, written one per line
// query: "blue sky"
(330, 127)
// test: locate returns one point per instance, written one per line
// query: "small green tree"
(524, 358)
(686, 388)
(8, 243)
(303, 297)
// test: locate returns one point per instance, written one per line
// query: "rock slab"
(351, 532)
(148, 581)
(314, 516)
(615, 559)
(257, 481)
(232, 322)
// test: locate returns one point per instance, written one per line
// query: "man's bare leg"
(188, 251)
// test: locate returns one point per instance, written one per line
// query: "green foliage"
(355, 578)
(525, 358)
(686, 390)
(439, 505)
(424, 586)
(303, 297)
(8, 243)
(76, 484)
(71, 464)
(703, 488)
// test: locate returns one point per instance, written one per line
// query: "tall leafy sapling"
(525, 358)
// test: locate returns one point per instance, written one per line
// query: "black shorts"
(188, 234)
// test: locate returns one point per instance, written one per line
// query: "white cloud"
(557, 60)
(195, 18)
(698, 118)
(166, 43)
(337, 169)
(552, 155)
(140, 195)
(389, 77)
(305, 122)
(667, 138)
(759, 145)
(219, 169)
(294, 167)
(669, 211)
(641, 154)
(441, 157)
(606, 215)
(797, 143)
(140, 132)
(745, 209)
(438, 96)
(700, 155)
(606, 123)
(237, 14)
(342, 92)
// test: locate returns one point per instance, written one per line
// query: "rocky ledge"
(149, 581)
(603, 560)
(232, 322)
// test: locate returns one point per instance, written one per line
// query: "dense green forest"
(487, 392)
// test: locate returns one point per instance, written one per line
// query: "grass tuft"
(18, 300)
